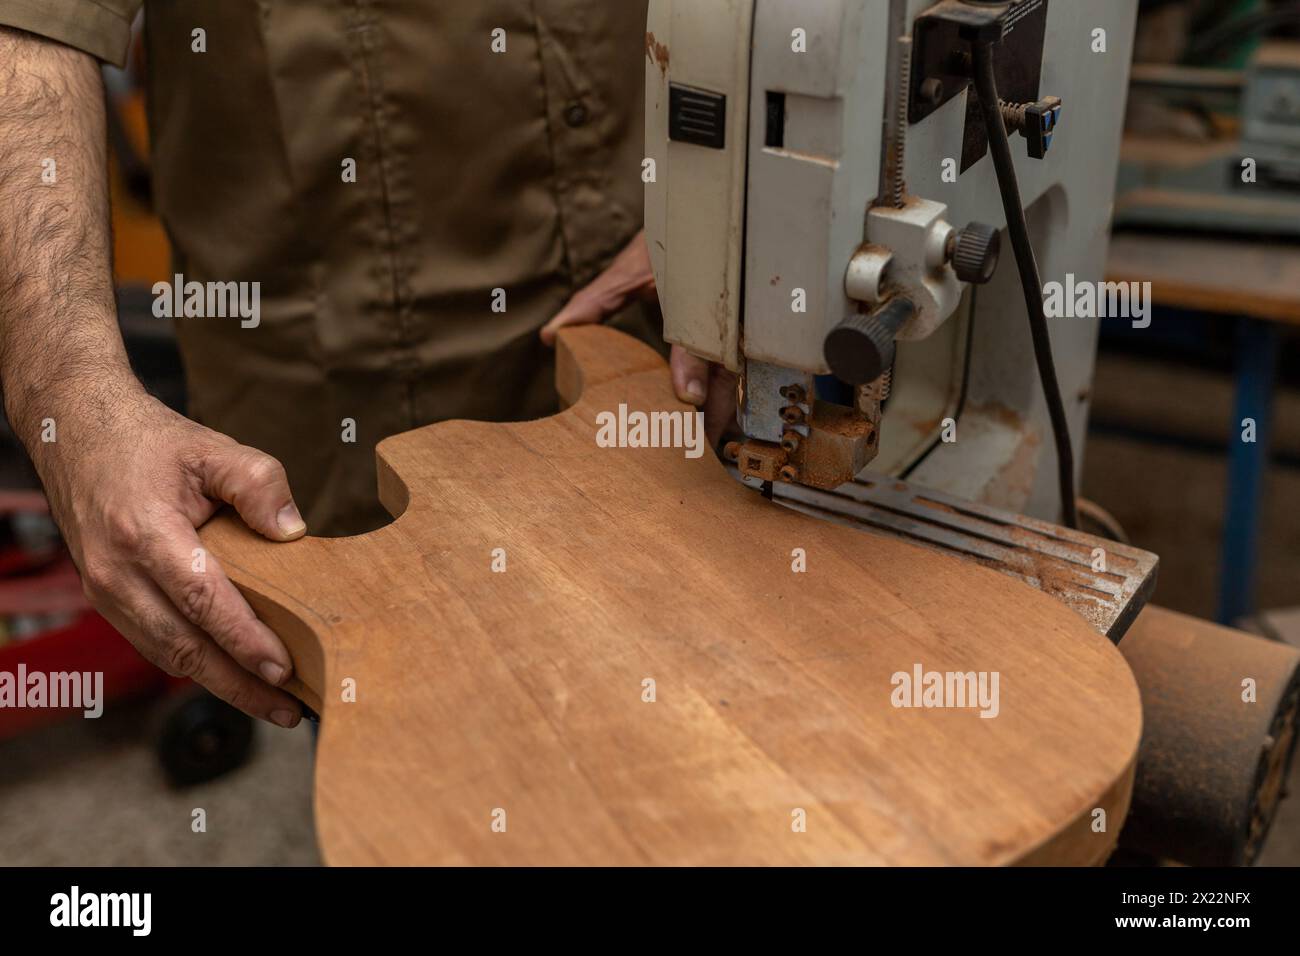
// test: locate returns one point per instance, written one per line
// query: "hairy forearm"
(61, 354)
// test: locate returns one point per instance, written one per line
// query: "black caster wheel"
(202, 738)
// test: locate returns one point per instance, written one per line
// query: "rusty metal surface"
(823, 450)
(1053, 559)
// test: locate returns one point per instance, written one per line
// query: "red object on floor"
(56, 589)
(91, 644)
(47, 586)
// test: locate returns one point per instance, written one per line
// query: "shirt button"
(575, 114)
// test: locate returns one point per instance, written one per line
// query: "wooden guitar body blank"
(649, 680)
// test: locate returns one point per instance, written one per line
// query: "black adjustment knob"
(861, 348)
(975, 252)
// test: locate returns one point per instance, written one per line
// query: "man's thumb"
(256, 485)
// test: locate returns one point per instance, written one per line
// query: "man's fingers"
(194, 582)
(198, 658)
(144, 615)
(255, 483)
(582, 309)
(690, 376)
(630, 276)
(707, 386)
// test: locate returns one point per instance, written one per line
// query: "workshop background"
(1214, 79)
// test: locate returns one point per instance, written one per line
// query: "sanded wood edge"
(589, 355)
(585, 356)
(1078, 843)
(393, 493)
(305, 647)
(235, 545)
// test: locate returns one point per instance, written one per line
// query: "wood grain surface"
(519, 695)
(1259, 278)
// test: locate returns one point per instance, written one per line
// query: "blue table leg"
(1257, 355)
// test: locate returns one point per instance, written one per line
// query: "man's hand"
(129, 489)
(128, 479)
(708, 386)
(705, 385)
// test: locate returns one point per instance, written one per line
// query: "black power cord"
(987, 86)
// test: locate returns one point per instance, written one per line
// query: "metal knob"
(861, 348)
(974, 253)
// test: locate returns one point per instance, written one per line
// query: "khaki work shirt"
(475, 171)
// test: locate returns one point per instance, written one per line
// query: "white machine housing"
(741, 237)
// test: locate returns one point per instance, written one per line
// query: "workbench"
(1255, 283)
